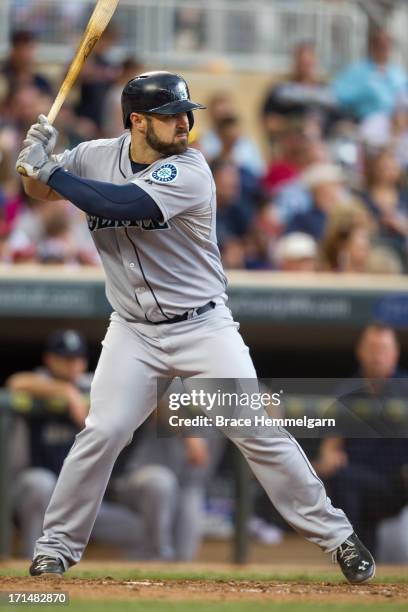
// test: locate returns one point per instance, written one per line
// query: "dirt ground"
(216, 590)
(293, 557)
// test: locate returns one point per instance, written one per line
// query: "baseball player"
(150, 202)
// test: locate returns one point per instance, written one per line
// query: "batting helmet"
(159, 92)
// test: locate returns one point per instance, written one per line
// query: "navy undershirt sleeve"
(116, 202)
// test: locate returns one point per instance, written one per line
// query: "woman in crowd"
(387, 200)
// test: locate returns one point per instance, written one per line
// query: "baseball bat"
(97, 24)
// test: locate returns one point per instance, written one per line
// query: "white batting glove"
(34, 162)
(42, 133)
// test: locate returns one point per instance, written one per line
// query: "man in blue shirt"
(374, 84)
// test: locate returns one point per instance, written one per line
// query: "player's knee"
(156, 480)
(36, 486)
(164, 481)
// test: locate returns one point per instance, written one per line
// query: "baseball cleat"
(43, 564)
(356, 562)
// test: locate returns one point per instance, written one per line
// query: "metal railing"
(254, 35)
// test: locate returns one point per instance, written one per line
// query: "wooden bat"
(98, 21)
(97, 24)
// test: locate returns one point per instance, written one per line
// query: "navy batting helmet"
(159, 92)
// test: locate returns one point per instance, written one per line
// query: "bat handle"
(21, 170)
(52, 114)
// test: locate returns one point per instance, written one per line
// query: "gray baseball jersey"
(155, 270)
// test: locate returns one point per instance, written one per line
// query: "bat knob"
(21, 170)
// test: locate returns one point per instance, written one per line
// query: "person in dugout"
(146, 500)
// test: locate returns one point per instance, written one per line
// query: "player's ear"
(138, 122)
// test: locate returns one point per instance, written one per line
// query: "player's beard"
(165, 148)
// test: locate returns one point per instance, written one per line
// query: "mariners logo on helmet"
(165, 174)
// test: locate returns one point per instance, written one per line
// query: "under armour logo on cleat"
(363, 565)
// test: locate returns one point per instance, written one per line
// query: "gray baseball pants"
(124, 393)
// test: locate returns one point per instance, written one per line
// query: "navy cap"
(67, 343)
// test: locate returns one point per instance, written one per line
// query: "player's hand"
(34, 162)
(197, 451)
(42, 133)
(332, 458)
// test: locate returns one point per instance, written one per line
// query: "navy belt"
(188, 314)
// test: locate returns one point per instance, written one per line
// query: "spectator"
(10, 199)
(229, 135)
(389, 131)
(261, 231)
(303, 97)
(286, 166)
(367, 476)
(18, 68)
(21, 109)
(51, 232)
(384, 261)
(234, 212)
(112, 124)
(97, 77)
(189, 28)
(225, 138)
(29, 229)
(221, 104)
(295, 252)
(347, 243)
(326, 185)
(386, 200)
(50, 436)
(57, 245)
(373, 84)
(293, 196)
(72, 129)
(233, 253)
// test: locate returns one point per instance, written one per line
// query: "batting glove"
(42, 133)
(34, 162)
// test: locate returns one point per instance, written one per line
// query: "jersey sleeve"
(177, 186)
(73, 160)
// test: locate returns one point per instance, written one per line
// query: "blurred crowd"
(326, 190)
